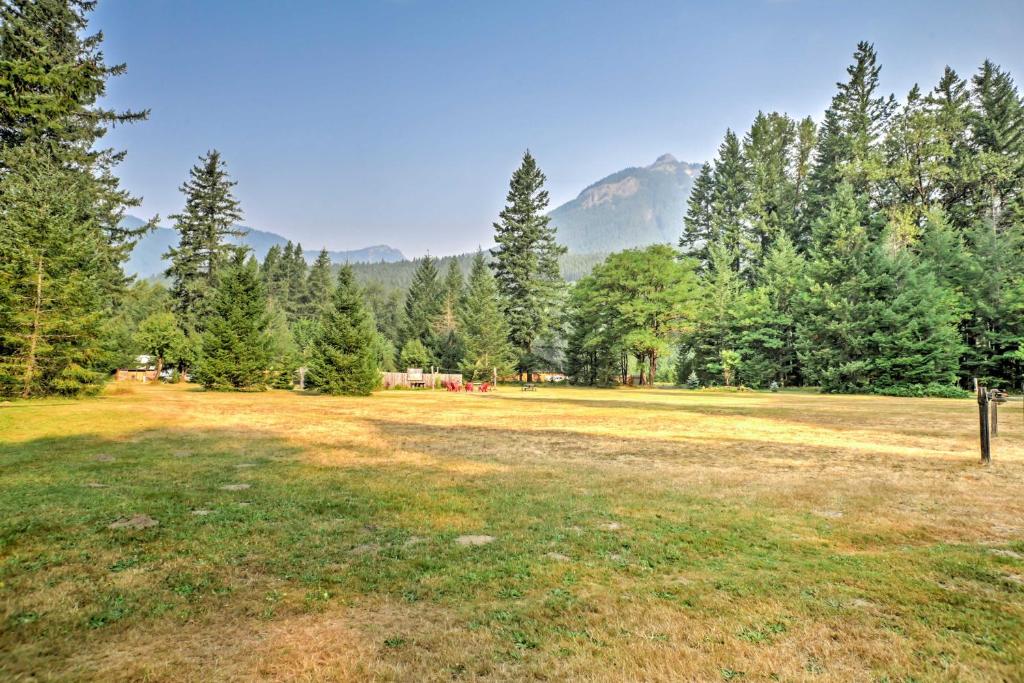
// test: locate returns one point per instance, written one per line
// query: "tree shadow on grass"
(868, 417)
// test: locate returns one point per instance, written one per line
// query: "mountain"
(634, 207)
(147, 257)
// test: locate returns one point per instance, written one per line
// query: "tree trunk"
(159, 366)
(33, 340)
(653, 372)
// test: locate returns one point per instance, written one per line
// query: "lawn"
(564, 533)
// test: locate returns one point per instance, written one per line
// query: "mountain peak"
(631, 208)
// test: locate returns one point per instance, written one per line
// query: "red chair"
(469, 386)
(485, 387)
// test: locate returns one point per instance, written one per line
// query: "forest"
(878, 250)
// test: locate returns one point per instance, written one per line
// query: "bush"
(773, 387)
(931, 390)
(692, 382)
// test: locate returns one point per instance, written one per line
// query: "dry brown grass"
(755, 536)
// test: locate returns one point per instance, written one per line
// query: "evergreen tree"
(997, 128)
(295, 269)
(484, 327)
(450, 344)
(285, 356)
(236, 350)
(728, 204)
(52, 298)
(386, 307)
(873, 319)
(424, 304)
(344, 354)
(697, 233)
(526, 260)
(319, 285)
(950, 104)
(59, 196)
(771, 205)
(204, 226)
(849, 146)
(272, 272)
(802, 160)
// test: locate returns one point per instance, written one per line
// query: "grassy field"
(637, 535)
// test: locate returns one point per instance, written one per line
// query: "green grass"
(688, 557)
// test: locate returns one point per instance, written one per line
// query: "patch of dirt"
(1002, 552)
(134, 522)
(235, 487)
(414, 540)
(104, 457)
(612, 526)
(201, 513)
(472, 539)
(364, 549)
(182, 454)
(558, 557)
(243, 465)
(95, 485)
(829, 514)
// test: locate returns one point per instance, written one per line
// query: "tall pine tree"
(204, 227)
(59, 195)
(526, 261)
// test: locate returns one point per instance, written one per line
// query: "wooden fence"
(430, 379)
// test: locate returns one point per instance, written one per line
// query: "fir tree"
(997, 128)
(319, 285)
(204, 227)
(295, 270)
(526, 260)
(697, 233)
(770, 208)
(285, 356)
(450, 344)
(52, 298)
(484, 327)
(59, 195)
(424, 304)
(874, 319)
(236, 347)
(849, 145)
(343, 359)
(729, 198)
(272, 273)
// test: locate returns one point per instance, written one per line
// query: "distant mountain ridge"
(147, 257)
(634, 207)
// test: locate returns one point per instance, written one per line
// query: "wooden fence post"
(986, 446)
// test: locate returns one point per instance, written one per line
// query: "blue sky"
(399, 121)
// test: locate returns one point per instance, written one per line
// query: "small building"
(143, 375)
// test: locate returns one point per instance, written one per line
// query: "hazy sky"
(399, 121)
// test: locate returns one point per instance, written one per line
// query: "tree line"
(880, 251)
